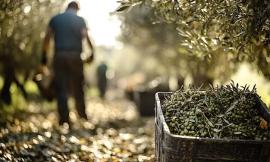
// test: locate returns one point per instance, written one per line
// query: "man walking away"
(68, 31)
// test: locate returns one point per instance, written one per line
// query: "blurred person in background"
(102, 79)
(68, 30)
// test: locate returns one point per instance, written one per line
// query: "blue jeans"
(69, 79)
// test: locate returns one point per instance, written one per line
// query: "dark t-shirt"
(67, 29)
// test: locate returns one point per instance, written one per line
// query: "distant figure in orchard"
(68, 31)
(102, 79)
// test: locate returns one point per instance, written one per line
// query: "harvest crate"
(145, 99)
(175, 148)
(145, 102)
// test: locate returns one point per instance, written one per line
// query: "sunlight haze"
(103, 27)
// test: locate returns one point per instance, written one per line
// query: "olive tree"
(160, 38)
(22, 26)
(241, 29)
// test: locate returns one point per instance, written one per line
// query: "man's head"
(73, 5)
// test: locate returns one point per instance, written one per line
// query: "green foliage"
(163, 40)
(22, 26)
(241, 28)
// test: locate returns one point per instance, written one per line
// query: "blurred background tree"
(158, 39)
(240, 29)
(22, 27)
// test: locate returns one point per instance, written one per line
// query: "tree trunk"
(8, 78)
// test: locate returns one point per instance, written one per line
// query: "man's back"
(67, 28)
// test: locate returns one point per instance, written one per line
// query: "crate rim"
(167, 130)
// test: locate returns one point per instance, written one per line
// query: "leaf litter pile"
(219, 112)
(114, 132)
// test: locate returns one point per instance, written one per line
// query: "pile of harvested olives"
(227, 111)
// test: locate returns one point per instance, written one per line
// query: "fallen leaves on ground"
(114, 132)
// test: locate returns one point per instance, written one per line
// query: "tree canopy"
(146, 30)
(239, 28)
(22, 27)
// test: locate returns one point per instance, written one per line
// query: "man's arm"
(45, 46)
(89, 42)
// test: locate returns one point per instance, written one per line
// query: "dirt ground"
(114, 132)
